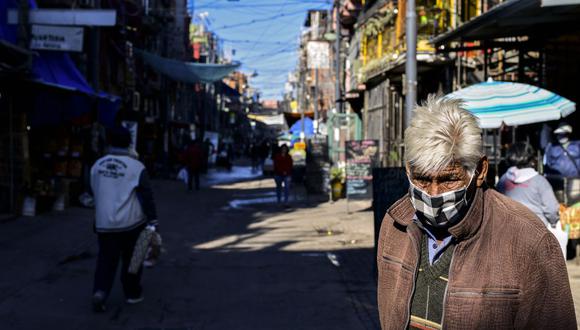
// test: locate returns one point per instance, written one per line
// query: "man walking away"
(194, 164)
(283, 173)
(124, 207)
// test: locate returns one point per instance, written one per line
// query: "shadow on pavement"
(242, 266)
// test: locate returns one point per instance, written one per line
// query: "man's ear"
(408, 170)
(482, 168)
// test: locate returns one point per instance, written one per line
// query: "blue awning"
(296, 129)
(56, 69)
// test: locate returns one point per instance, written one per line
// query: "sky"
(265, 35)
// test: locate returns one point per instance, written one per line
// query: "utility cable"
(259, 20)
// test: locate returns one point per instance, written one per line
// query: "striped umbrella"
(497, 102)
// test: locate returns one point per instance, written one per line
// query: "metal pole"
(411, 63)
(11, 206)
(23, 18)
(23, 41)
(302, 105)
(316, 101)
(485, 63)
(495, 155)
(338, 63)
(94, 52)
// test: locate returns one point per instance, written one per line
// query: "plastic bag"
(140, 251)
(154, 251)
(183, 175)
(561, 236)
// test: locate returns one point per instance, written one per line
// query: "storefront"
(531, 42)
(55, 130)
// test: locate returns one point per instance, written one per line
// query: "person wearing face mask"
(562, 157)
(455, 254)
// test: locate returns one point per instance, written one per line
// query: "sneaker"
(134, 301)
(99, 302)
(149, 263)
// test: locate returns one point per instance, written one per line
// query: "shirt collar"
(427, 230)
(119, 151)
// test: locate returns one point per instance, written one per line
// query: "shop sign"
(361, 158)
(57, 38)
(74, 17)
(318, 53)
(549, 3)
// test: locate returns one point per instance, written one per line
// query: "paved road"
(227, 265)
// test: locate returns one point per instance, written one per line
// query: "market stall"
(499, 104)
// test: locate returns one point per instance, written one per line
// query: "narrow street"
(232, 260)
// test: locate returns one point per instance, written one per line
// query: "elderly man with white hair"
(455, 254)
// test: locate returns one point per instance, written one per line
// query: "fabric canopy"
(275, 120)
(57, 69)
(497, 102)
(308, 127)
(188, 72)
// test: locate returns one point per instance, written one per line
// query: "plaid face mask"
(441, 211)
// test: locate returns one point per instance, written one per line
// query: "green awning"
(188, 72)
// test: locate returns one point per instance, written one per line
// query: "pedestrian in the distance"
(255, 156)
(264, 153)
(194, 163)
(522, 183)
(208, 150)
(283, 173)
(562, 157)
(124, 206)
(454, 254)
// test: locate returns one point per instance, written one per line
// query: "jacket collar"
(403, 213)
(118, 151)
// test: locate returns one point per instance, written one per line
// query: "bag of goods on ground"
(570, 217)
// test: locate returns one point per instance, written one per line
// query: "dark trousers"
(571, 248)
(112, 247)
(195, 175)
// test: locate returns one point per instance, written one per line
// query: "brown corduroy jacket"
(507, 269)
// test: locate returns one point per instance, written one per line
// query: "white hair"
(441, 133)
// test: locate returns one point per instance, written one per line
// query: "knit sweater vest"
(427, 303)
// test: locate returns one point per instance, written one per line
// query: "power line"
(260, 5)
(259, 20)
(249, 41)
(285, 50)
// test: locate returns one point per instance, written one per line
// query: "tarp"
(188, 72)
(308, 127)
(275, 120)
(56, 69)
